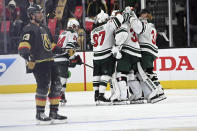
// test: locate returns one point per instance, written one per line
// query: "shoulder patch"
(26, 37)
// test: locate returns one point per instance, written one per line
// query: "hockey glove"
(128, 13)
(116, 52)
(79, 61)
(76, 45)
(72, 63)
(31, 65)
(58, 50)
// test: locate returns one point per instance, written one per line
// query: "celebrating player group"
(124, 49)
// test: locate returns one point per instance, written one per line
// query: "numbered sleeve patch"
(26, 37)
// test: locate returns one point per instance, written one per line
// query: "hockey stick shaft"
(88, 65)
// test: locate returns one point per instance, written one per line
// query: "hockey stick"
(88, 65)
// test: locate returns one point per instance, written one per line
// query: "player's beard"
(39, 20)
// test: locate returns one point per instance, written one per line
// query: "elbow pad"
(25, 53)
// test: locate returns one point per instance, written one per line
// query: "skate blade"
(38, 122)
(120, 103)
(139, 102)
(101, 103)
(62, 104)
(59, 121)
(152, 95)
(158, 99)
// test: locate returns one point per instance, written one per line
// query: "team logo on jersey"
(5, 64)
(46, 42)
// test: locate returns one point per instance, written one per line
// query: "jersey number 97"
(96, 37)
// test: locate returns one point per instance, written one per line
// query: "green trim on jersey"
(116, 22)
(131, 50)
(146, 47)
(102, 53)
(70, 45)
(121, 30)
(99, 55)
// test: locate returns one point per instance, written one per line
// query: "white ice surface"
(177, 113)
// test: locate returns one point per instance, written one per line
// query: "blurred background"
(175, 20)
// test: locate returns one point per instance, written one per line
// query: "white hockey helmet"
(12, 3)
(102, 17)
(73, 24)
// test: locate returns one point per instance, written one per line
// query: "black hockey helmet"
(33, 9)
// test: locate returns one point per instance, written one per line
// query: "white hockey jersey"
(128, 39)
(67, 39)
(103, 39)
(147, 39)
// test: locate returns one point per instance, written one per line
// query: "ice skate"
(157, 98)
(140, 100)
(42, 119)
(161, 91)
(160, 95)
(120, 102)
(56, 118)
(112, 94)
(102, 100)
(153, 94)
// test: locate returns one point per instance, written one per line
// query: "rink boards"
(176, 69)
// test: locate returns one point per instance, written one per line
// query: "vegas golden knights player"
(36, 48)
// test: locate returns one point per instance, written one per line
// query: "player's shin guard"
(103, 83)
(122, 83)
(102, 87)
(136, 89)
(146, 83)
(115, 91)
(111, 88)
(153, 76)
(145, 89)
(96, 80)
(63, 99)
(41, 118)
(136, 94)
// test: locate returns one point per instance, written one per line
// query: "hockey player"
(102, 39)
(36, 48)
(149, 51)
(126, 43)
(147, 40)
(68, 42)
